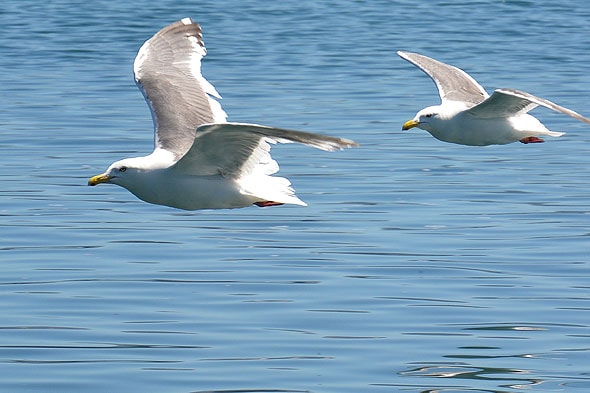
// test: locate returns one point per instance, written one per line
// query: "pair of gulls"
(200, 161)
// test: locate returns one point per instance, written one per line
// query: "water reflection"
(494, 345)
(502, 377)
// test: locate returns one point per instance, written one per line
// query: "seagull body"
(200, 161)
(467, 115)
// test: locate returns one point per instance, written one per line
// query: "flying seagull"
(200, 161)
(467, 115)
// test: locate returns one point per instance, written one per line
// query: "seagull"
(467, 115)
(200, 161)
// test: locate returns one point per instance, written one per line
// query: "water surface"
(418, 266)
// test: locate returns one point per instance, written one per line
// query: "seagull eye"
(429, 115)
(123, 169)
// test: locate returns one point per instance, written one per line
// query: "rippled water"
(418, 266)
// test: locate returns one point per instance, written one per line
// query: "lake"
(418, 266)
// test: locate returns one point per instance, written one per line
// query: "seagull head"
(130, 171)
(120, 173)
(423, 119)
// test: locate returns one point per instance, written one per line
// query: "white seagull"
(467, 115)
(200, 161)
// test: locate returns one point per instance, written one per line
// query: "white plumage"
(200, 161)
(467, 115)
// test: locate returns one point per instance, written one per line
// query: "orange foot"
(267, 203)
(531, 139)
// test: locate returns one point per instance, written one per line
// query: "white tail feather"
(269, 188)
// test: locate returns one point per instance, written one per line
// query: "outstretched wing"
(236, 149)
(167, 70)
(453, 84)
(511, 102)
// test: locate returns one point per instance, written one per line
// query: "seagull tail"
(554, 133)
(269, 189)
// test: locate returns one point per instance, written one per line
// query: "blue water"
(418, 266)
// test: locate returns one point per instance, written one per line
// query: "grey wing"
(511, 102)
(167, 70)
(235, 149)
(453, 84)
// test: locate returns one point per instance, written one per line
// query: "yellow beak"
(94, 180)
(410, 124)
